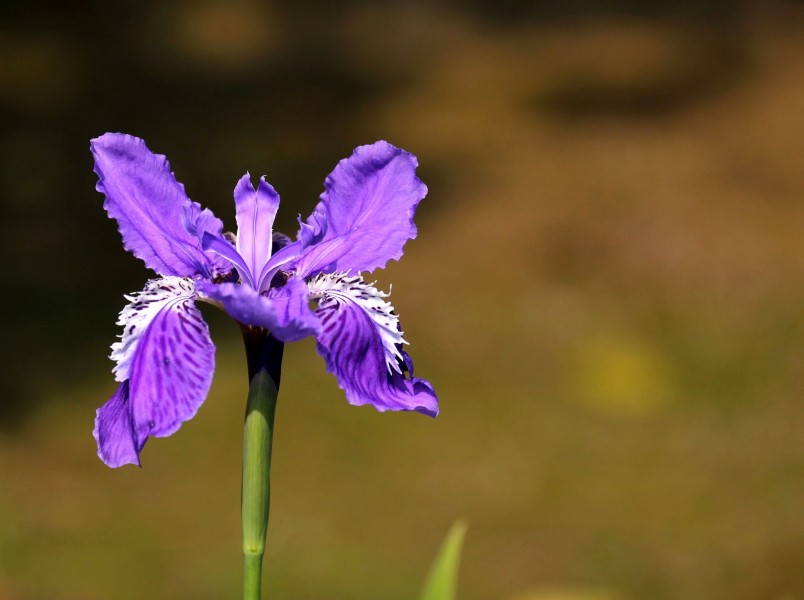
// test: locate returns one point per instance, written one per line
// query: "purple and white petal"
(340, 288)
(366, 212)
(361, 343)
(286, 316)
(140, 312)
(165, 361)
(256, 210)
(151, 208)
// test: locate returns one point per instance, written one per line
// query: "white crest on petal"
(137, 315)
(341, 287)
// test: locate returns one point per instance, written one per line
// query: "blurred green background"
(606, 291)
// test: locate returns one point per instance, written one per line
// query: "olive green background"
(607, 291)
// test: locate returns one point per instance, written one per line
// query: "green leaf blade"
(442, 581)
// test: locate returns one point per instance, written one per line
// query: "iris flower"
(293, 289)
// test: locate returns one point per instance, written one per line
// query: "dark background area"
(606, 291)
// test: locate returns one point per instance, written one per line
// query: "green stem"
(264, 355)
(252, 576)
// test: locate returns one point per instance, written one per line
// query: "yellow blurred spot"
(621, 375)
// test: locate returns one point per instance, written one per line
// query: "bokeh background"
(607, 291)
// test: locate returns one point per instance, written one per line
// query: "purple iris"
(165, 358)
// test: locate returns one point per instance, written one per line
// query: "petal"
(361, 345)
(286, 315)
(366, 212)
(173, 369)
(137, 316)
(282, 257)
(165, 360)
(256, 210)
(220, 246)
(151, 208)
(295, 320)
(341, 288)
(114, 431)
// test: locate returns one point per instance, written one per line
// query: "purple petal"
(152, 209)
(114, 431)
(166, 360)
(173, 370)
(366, 212)
(283, 256)
(295, 320)
(220, 246)
(256, 210)
(354, 342)
(286, 315)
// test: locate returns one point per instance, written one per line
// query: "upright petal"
(256, 210)
(165, 362)
(361, 344)
(153, 212)
(283, 257)
(366, 212)
(286, 316)
(219, 245)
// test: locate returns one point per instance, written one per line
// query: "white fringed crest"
(341, 288)
(142, 309)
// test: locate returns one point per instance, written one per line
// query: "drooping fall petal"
(165, 361)
(361, 345)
